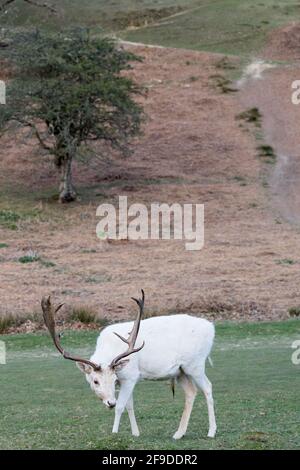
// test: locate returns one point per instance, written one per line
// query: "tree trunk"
(67, 192)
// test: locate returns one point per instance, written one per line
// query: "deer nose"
(111, 404)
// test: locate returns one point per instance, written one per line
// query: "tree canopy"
(71, 89)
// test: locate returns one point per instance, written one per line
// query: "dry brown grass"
(189, 153)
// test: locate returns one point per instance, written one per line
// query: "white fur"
(176, 346)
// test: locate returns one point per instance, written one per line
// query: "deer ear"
(86, 369)
(120, 365)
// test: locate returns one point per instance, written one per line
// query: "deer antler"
(49, 317)
(133, 335)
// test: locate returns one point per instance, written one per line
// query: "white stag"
(168, 347)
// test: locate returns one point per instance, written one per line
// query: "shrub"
(267, 152)
(5, 323)
(223, 84)
(294, 311)
(86, 315)
(225, 64)
(31, 257)
(285, 261)
(251, 115)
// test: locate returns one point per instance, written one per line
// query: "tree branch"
(38, 135)
(39, 138)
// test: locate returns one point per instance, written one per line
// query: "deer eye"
(96, 382)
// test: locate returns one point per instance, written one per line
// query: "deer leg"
(190, 391)
(204, 384)
(125, 393)
(130, 410)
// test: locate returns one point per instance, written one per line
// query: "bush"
(31, 257)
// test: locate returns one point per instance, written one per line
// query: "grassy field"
(226, 26)
(83, 12)
(45, 402)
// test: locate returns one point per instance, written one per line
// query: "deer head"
(102, 379)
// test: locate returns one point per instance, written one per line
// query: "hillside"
(192, 24)
(189, 153)
(195, 148)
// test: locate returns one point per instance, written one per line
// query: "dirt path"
(166, 19)
(271, 93)
(268, 87)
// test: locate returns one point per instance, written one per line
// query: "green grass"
(94, 13)
(227, 26)
(13, 219)
(46, 403)
(9, 219)
(29, 259)
(22, 207)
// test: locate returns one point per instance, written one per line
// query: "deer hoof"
(178, 435)
(212, 433)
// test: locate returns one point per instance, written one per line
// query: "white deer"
(168, 347)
